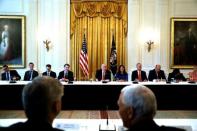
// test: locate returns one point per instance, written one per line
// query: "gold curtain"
(99, 20)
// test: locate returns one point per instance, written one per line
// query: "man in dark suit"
(49, 72)
(30, 74)
(103, 74)
(66, 74)
(156, 73)
(139, 74)
(176, 76)
(41, 100)
(9, 74)
(137, 108)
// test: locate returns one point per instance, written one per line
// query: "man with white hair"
(137, 108)
(42, 102)
(139, 74)
(103, 74)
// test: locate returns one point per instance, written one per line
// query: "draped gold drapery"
(98, 20)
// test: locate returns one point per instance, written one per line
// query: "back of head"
(39, 96)
(141, 99)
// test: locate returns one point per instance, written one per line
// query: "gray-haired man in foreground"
(137, 108)
(42, 102)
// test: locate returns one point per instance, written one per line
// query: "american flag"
(83, 60)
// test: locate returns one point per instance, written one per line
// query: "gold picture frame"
(183, 43)
(12, 41)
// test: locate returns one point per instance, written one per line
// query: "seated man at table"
(31, 73)
(49, 72)
(9, 74)
(176, 75)
(139, 74)
(103, 74)
(137, 108)
(66, 74)
(156, 73)
(42, 102)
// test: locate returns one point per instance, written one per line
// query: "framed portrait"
(12, 41)
(183, 45)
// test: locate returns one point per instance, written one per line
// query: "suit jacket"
(32, 126)
(13, 73)
(28, 75)
(152, 75)
(70, 76)
(176, 77)
(150, 125)
(134, 75)
(99, 75)
(52, 74)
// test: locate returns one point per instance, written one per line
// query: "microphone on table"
(107, 126)
(12, 80)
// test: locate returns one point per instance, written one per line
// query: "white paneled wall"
(50, 19)
(154, 14)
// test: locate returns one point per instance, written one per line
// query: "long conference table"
(91, 95)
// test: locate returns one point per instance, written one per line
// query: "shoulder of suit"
(168, 128)
(70, 71)
(99, 70)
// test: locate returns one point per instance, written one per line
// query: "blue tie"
(7, 76)
(31, 74)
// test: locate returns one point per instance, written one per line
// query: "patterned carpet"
(93, 114)
(74, 114)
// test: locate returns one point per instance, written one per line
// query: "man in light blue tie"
(30, 74)
(9, 74)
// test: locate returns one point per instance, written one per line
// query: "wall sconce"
(46, 43)
(149, 43)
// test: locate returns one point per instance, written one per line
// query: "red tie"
(139, 76)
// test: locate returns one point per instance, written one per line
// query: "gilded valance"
(103, 9)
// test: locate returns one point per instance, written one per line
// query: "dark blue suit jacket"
(28, 75)
(70, 76)
(52, 74)
(13, 73)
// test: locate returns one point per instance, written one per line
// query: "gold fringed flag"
(113, 57)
